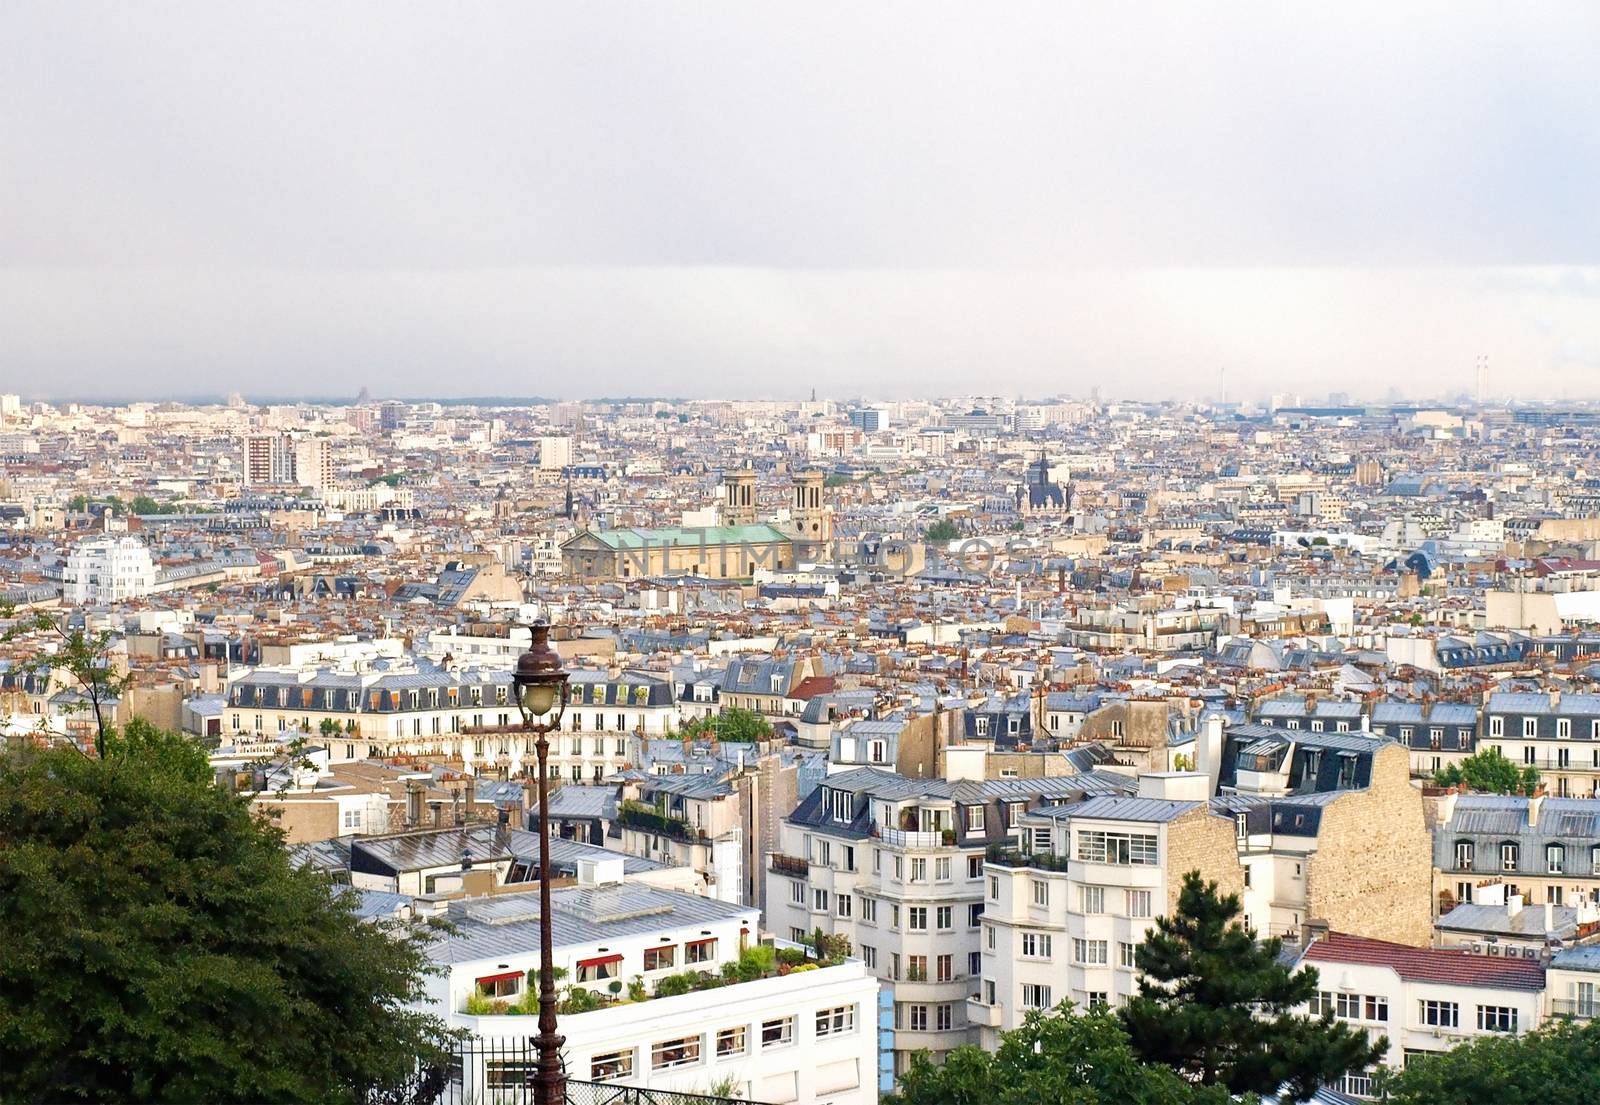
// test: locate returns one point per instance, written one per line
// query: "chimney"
(413, 804)
(1208, 750)
(1535, 800)
(1549, 918)
(1312, 930)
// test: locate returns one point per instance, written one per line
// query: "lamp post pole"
(541, 686)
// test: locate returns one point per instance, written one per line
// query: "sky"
(748, 199)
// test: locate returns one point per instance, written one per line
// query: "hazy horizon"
(896, 200)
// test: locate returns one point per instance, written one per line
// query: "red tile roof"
(813, 685)
(1443, 965)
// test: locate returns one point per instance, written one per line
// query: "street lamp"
(541, 686)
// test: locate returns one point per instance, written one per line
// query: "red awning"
(506, 977)
(707, 940)
(662, 948)
(600, 962)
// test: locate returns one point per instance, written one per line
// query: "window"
(945, 966)
(1092, 952)
(1321, 1002)
(917, 918)
(1123, 849)
(869, 956)
(974, 963)
(1440, 1014)
(869, 910)
(944, 1017)
(894, 915)
(1376, 1008)
(778, 1032)
(1508, 856)
(837, 1020)
(988, 991)
(1098, 999)
(680, 1052)
(659, 959)
(819, 901)
(1091, 899)
(1041, 892)
(974, 867)
(974, 914)
(1036, 945)
(841, 804)
(797, 892)
(919, 870)
(611, 1065)
(1497, 726)
(598, 970)
(841, 905)
(988, 936)
(943, 918)
(981, 726)
(1530, 727)
(1125, 953)
(732, 1041)
(974, 819)
(1035, 996)
(1529, 754)
(941, 869)
(1464, 850)
(916, 968)
(500, 986)
(1497, 1018)
(700, 951)
(994, 888)
(917, 1017)
(1348, 1006)
(1555, 859)
(352, 819)
(1138, 903)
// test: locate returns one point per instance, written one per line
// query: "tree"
(1489, 771)
(160, 947)
(943, 530)
(1555, 1065)
(735, 725)
(1214, 1005)
(85, 657)
(1058, 1056)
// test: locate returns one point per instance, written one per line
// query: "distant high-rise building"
(555, 453)
(313, 463)
(390, 415)
(268, 458)
(10, 406)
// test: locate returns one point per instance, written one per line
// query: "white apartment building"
(1424, 1000)
(897, 866)
(108, 569)
(402, 707)
(808, 1036)
(1065, 915)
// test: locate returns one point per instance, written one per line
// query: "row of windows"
(1447, 1014)
(1350, 1007)
(1510, 855)
(1040, 945)
(1530, 727)
(684, 1051)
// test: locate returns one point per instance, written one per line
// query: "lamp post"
(541, 686)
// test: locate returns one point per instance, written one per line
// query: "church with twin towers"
(735, 546)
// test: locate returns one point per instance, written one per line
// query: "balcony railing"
(1578, 1009)
(910, 838)
(790, 865)
(1009, 857)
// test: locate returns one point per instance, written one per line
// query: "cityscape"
(901, 553)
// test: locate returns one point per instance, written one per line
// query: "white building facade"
(108, 570)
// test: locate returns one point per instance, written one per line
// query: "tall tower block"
(739, 497)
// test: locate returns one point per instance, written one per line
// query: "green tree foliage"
(943, 530)
(1213, 1004)
(734, 724)
(1491, 772)
(144, 504)
(1057, 1057)
(159, 946)
(83, 657)
(1556, 1065)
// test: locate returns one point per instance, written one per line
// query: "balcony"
(637, 815)
(910, 838)
(793, 866)
(984, 1016)
(1042, 861)
(1576, 1009)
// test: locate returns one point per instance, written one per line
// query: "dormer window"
(841, 804)
(1555, 859)
(1508, 855)
(1292, 723)
(981, 726)
(1464, 855)
(1316, 726)
(1013, 725)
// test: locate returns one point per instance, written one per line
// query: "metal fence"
(503, 1072)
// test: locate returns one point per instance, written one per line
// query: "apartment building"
(1065, 912)
(405, 707)
(107, 570)
(695, 821)
(1438, 734)
(1572, 983)
(1556, 732)
(1545, 850)
(804, 1037)
(896, 866)
(1329, 828)
(1425, 1000)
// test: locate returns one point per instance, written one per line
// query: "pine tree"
(1214, 1004)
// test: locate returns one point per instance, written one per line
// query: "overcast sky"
(881, 199)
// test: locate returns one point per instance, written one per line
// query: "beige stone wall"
(1372, 872)
(1202, 841)
(301, 821)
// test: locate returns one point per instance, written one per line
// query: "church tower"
(810, 518)
(739, 497)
